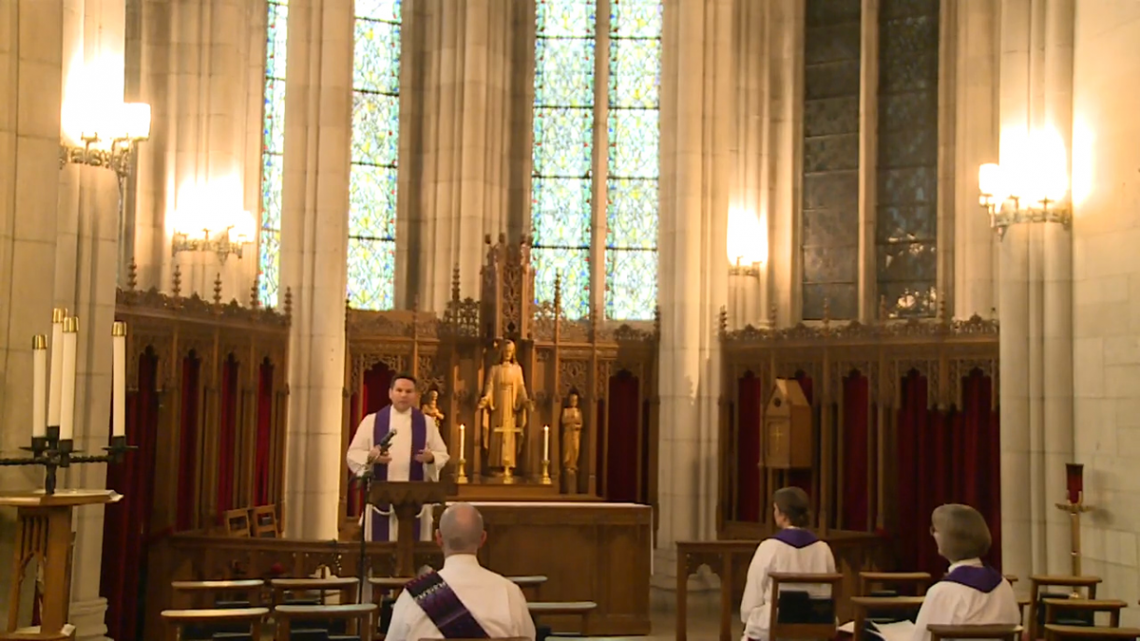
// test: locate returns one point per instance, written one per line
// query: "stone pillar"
(202, 71)
(1035, 298)
(30, 68)
(697, 122)
(463, 122)
(314, 245)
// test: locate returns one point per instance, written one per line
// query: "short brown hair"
(794, 504)
(962, 532)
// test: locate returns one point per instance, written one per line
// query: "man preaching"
(398, 443)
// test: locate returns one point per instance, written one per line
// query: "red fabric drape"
(856, 429)
(264, 433)
(945, 457)
(227, 437)
(750, 391)
(802, 478)
(126, 523)
(622, 446)
(374, 397)
(188, 443)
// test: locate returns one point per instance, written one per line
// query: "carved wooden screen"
(907, 176)
(830, 206)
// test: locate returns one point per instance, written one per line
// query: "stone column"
(1035, 298)
(697, 122)
(30, 68)
(314, 245)
(202, 71)
(464, 121)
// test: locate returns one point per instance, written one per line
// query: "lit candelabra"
(53, 418)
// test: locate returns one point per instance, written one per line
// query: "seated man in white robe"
(971, 593)
(414, 451)
(791, 550)
(463, 600)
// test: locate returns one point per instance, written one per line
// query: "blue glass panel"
(268, 281)
(273, 146)
(371, 273)
(573, 263)
(277, 27)
(272, 179)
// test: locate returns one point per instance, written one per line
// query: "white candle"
(119, 379)
(39, 391)
(55, 387)
(67, 407)
(546, 443)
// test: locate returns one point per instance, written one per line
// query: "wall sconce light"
(1032, 190)
(740, 268)
(747, 243)
(123, 126)
(230, 240)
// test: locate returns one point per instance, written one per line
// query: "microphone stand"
(365, 516)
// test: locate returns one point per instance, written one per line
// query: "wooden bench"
(865, 604)
(527, 582)
(580, 609)
(175, 620)
(1038, 581)
(1003, 632)
(345, 585)
(1111, 606)
(789, 630)
(194, 590)
(1054, 632)
(919, 581)
(363, 614)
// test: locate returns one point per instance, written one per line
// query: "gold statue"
(430, 407)
(571, 433)
(505, 404)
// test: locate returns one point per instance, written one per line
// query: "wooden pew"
(195, 590)
(554, 608)
(778, 630)
(866, 604)
(1054, 632)
(345, 585)
(920, 581)
(1037, 581)
(363, 614)
(175, 620)
(1004, 632)
(1111, 606)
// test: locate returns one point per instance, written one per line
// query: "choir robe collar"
(973, 574)
(796, 537)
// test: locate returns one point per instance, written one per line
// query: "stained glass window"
(567, 118)
(375, 152)
(633, 165)
(907, 209)
(830, 204)
(272, 152)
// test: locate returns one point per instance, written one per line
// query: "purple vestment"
(380, 427)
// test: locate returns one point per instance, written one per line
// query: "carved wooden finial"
(255, 292)
(288, 301)
(657, 319)
(177, 289)
(942, 311)
(455, 282)
(882, 308)
(722, 320)
(132, 275)
(218, 289)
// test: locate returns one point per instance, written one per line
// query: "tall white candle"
(67, 407)
(119, 379)
(55, 387)
(546, 443)
(462, 439)
(39, 383)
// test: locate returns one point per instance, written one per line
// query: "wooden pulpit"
(407, 498)
(787, 427)
(43, 533)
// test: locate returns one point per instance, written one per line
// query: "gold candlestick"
(546, 472)
(1074, 474)
(462, 477)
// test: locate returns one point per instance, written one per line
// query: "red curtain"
(945, 457)
(188, 442)
(227, 436)
(374, 397)
(126, 523)
(621, 447)
(264, 433)
(802, 478)
(856, 439)
(750, 391)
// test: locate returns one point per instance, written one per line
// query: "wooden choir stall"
(879, 423)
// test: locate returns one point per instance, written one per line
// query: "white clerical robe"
(494, 601)
(400, 449)
(949, 603)
(771, 556)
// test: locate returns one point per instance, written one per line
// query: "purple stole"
(982, 578)
(796, 537)
(380, 427)
(436, 598)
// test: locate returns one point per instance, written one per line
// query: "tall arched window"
(375, 151)
(594, 215)
(272, 151)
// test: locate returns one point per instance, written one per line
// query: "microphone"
(387, 440)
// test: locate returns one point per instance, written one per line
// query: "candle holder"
(462, 473)
(546, 480)
(52, 453)
(1075, 505)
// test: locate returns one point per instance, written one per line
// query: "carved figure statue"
(505, 404)
(571, 420)
(430, 407)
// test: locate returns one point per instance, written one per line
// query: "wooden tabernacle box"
(787, 427)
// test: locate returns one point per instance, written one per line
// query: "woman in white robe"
(792, 550)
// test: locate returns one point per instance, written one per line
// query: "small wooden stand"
(43, 532)
(407, 498)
